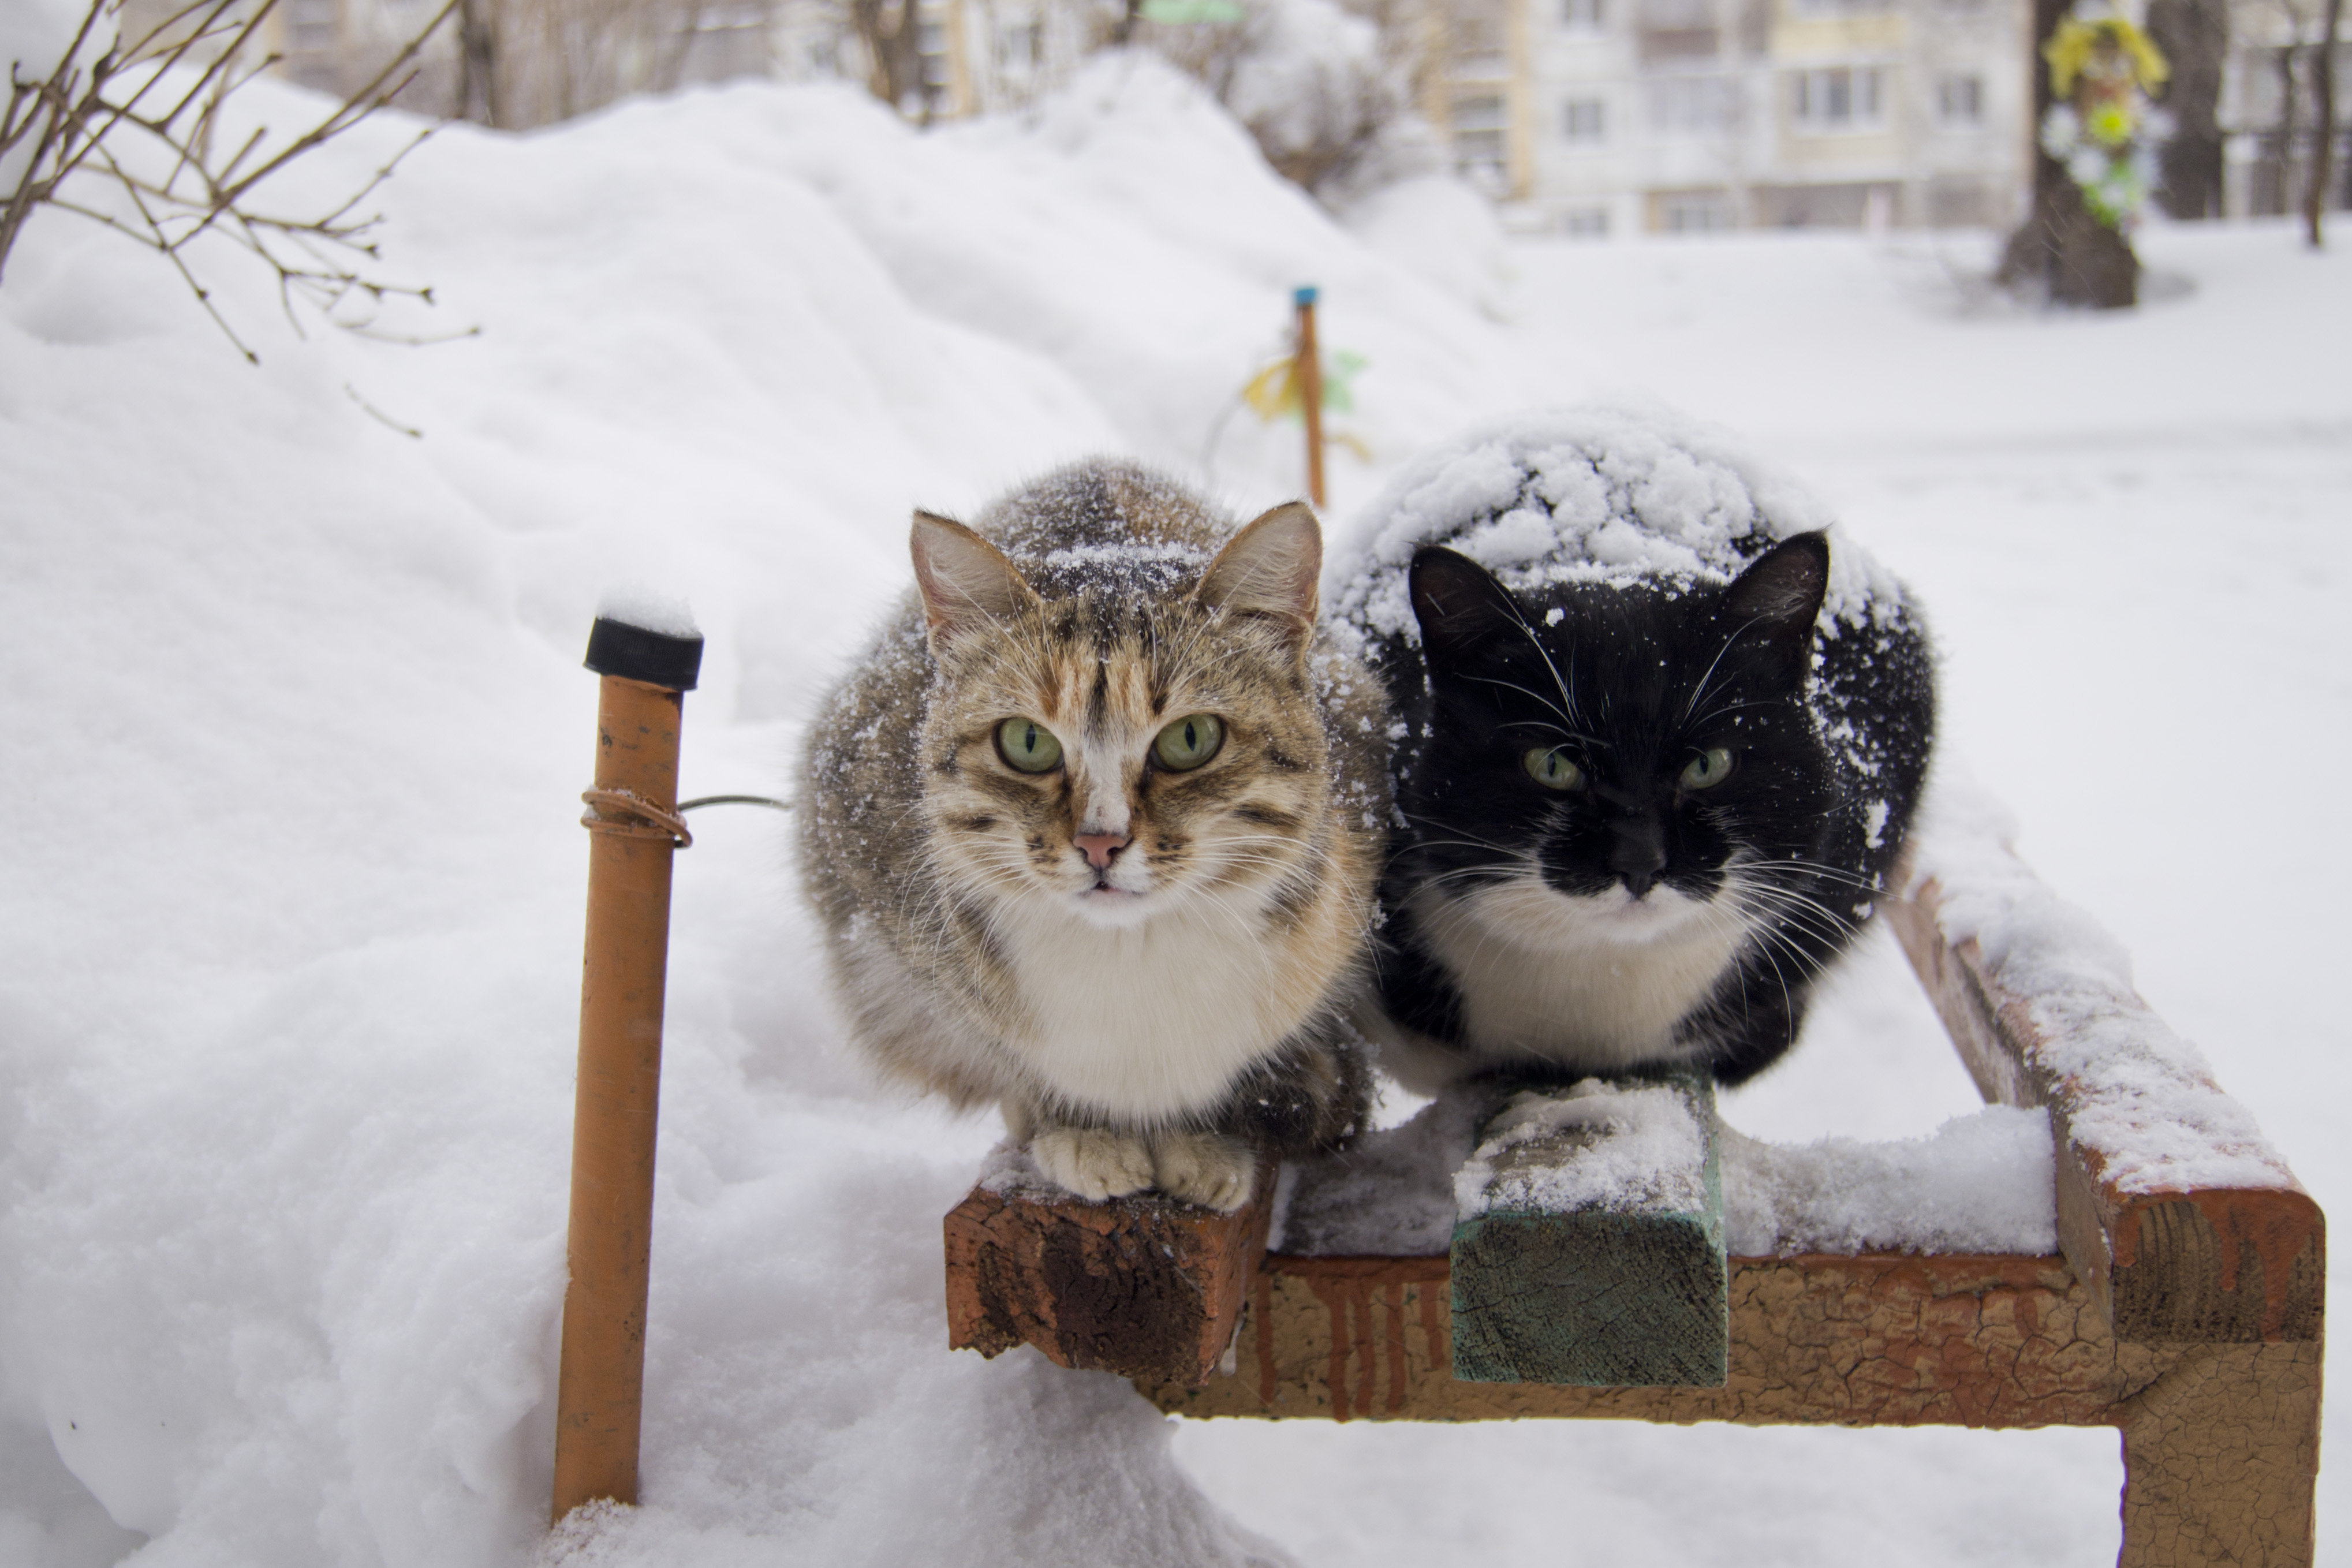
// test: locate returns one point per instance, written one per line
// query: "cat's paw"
(1093, 1163)
(1204, 1168)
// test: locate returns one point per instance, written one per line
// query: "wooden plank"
(1880, 1338)
(2220, 1443)
(1145, 1287)
(1591, 1251)
(2222, 1459)
(2167, 1263)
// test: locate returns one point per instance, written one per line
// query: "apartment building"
(1612, 117)
(2269, 122)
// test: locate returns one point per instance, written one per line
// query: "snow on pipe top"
(643, 634)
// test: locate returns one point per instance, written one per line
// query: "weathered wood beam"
(2222, 1457)
(1590, 1250)
(2242, 1260)
(1145, 1287)
(1881, 1339)
(2219, 1442)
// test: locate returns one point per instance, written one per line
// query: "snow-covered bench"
(1609, 1251)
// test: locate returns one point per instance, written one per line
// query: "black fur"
(1634, 679)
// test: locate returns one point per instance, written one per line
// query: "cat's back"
(1590, 497)
(1600, 500)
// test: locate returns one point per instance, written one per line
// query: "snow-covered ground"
(297, 728)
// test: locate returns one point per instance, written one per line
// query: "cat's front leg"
(1205, 1168)
(1094, 1163)
(1214, 1170)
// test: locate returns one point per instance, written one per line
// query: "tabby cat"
(1663, 738)
(1094, 831)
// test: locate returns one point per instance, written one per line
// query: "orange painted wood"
(1145, 1287)
(2235, 1264)
(1879, 1339)
(600, 1380)
(1310, 394)
(2220, 1443)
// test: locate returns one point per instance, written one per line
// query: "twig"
(86, 123)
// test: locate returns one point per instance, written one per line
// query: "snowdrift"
(285, 1091)
(297, 728)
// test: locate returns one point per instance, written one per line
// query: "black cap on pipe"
(633, 653)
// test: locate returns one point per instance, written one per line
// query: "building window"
(1693, 212)
(1842, 98)
(1585, 223)
(1694, 105)
(1580, 15)
(1581, 120)
(1478, 150)
(1020, 44)
(931, 48)
(312, 25)
(1960, 99)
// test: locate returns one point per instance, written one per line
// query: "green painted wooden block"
(1588, 1246)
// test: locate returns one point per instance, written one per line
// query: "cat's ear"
(1461, 608)
(966, 581)
(1269, 569)
(1774, 604)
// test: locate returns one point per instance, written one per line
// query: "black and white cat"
(1661, 734)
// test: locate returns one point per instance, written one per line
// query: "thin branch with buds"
(126, 114)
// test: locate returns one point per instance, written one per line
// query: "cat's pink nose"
(1099, 847)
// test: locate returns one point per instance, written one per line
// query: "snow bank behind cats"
(290, 1015)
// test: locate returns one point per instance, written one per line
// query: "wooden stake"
(1311, 391)
(601, 1384)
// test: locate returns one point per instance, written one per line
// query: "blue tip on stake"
(1303, 295)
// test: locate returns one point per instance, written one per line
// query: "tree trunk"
(2288, 121)
(2194, 36)
(2062, 249)
(890, 32)
(2323, 100)
(478, 98)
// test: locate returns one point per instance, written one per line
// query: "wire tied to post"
(632, 816)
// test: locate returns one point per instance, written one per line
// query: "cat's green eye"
(1550, 767)
(1028, 745)
(1190, 741)
(1708, 769)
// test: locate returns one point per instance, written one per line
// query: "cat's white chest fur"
(1600, 982)
(1149, 1021)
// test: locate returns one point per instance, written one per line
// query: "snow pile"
(295, 914)
(1981, 1183)
(2140, 1099)
(1592, 495)
(286, 1043)
(1594, 1146)
(1442, 229)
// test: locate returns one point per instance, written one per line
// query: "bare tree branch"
(94, 127)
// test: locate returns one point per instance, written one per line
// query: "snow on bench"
(2185, 1223)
